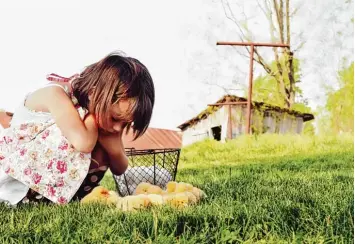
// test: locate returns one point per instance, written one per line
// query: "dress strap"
(55, 77)
(58, 78)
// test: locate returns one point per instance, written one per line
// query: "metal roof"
(154, 138)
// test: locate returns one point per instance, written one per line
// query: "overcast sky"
(174, 39)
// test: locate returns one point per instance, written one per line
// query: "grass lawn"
(265, 189)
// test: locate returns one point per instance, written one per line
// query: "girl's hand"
(111, 142)
(113, 145)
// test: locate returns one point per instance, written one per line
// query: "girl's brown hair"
(114, 78)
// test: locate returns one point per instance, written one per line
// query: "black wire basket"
(155, 166)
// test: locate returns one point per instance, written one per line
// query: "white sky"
(174, 39)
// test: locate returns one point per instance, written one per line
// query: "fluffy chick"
(171, 186)
(153, 189)
(199, 194)
(177, 200)
(98, 194)
(155, 199)
(132, 203)
(142, 188)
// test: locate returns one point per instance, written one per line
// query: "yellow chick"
(189, 186)
(192, 198)
(198, 193)
(113, 197)
(155, 199)
(142, 188)
(171, 186)
(90, 199)
(131, 203)
(98, 194)
(153, 189)
(181, 187)
(178, 200)
(168, 197)
(146, 199)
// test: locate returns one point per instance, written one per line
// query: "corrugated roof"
(154, 138)
(233, 98)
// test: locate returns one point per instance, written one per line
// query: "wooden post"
(229, 121)
(250, 90)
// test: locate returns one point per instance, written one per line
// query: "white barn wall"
(202, 129)
(269, 123)
(274, 122)
(288, 124)
(238, 114)
(299, 125)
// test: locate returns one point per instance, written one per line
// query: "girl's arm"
(113, 145)
(81, 134)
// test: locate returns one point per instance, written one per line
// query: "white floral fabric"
(39, 156)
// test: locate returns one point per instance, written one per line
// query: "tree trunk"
(284, 73)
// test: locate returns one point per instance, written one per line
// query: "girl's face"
(118, 117)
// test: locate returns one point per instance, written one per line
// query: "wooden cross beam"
(251, 62)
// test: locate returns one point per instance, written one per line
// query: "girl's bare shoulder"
(38, 99)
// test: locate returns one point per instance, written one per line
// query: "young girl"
(118, 94)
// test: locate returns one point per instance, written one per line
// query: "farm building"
(223, 122)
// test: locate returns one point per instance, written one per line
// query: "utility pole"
(250, 90)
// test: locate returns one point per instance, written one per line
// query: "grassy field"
(266, 189)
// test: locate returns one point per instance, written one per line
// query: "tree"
(314, 38)
(340, 103)
(266, 90)
(278, 14)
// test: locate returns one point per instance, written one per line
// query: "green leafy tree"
(340, 103)
(266, 89)
(278, 15)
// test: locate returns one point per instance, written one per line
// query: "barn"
(223, 122)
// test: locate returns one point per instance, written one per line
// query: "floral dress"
(37, 163)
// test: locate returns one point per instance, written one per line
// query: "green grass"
(266, 189)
